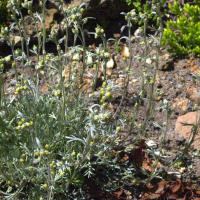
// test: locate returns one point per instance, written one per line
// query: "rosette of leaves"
(183, 35)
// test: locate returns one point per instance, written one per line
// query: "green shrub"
(183, 36)
(146, 8)
(4, 15)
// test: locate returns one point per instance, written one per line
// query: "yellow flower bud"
(96, 118)
(37, 153)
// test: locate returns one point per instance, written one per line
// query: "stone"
(192, 95)
(17, 40)
(165, 62)
(181, 103)
(194, 68)
(189, 118)
(125, 50)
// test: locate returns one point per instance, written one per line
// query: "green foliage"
(146, 8)
(118, 48)
(4, 15)
(183, 36)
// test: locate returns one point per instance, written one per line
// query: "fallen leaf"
(119, 193)
(137, 155)
(171, 190)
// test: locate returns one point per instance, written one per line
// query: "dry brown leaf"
(137, 156)
(119, 193)
(171, 190)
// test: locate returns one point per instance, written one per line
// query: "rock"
(181, 103)
(189, 118)
(105, 13)
(194, 68)
(17, 40)
(192, 95)
(125, 50)
(110, 64)
(50, 22)
(165, 62)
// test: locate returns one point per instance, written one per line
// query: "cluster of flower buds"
(75, 74)
(12, 3)
(74, 14)
(42, 152)
(18, 52)
(40, 65)
(59, 167)
(27, 4)
(144, 16)
(148, 79)
(105, 93)
(75, 31)
(99, 32)
(4, 33)
(48, 57)
(56, 92)
(21, 87)
(101, 53)
(131, 16)
(7, 59)
(22, 124)
(53, 34)
(155, 4)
